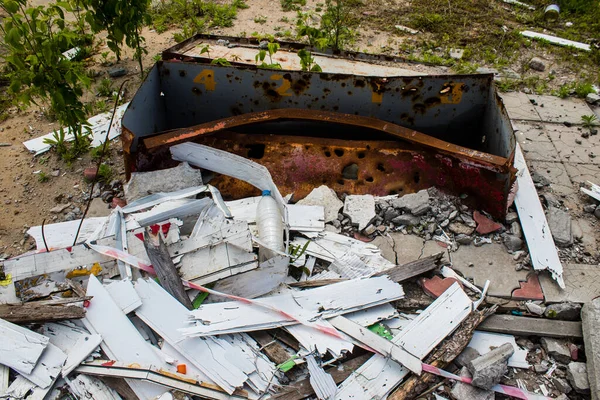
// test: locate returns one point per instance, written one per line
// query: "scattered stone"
(468, 355)
(562, 385)
(534, 308)
(589, 208)
(559, 222)
(578, 377)
(463, 239)
(540, 368)
(55, 173)
(117, 202)
(592, 98)
(59, 208)
(89, 173)
(550, 199)
(537, 64)
(117, 72)
(70, 216)
(564, 311)
(369, 230)
(460, 229)
(406, 219)
(512, 242)
(539, 180)
(578, 141)
(464, 391)
(556, 349)
(484, 224)
(488, 369)
(445, 223)
(142, 184)
(391, 213)
(515, 229)
(512, 217)
(350, 172)
(597, 212)
(415, 203)
(456, 54)
(360, 209)
(223, 42)
(585, 134)
(466, 218)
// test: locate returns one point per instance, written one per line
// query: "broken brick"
(436, 285)
(484, 224)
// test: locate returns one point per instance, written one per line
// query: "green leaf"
(11, 6)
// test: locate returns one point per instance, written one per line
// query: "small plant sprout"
(221, 61)
(272, 48)
(260, 19)
(105, 88)
(43, 177)
(307, 61)
(589, 121)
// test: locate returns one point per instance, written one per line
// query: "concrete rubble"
(488, 369)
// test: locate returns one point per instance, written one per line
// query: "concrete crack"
(394, 248)
(422, 249)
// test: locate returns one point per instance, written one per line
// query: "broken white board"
(123, 293)
(77, 343)
(376, 378)
(165, 316)
(593, 191)
(252, 284)
(330, 246)
(485, 342)
(323, 302)
(323, 383)
(157, 198)
(533, 221)
(556, 40)
(62, 234)
(3, 378)
(48, 367)
(104, 317)
(89, 387)
(20, 348)
(18, 389)
(229, 164)
(98, 129)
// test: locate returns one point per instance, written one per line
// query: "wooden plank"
(105, 318)
(20, 348)
(32, 313)
(165, 269)
(271, 347)
(376, 342)
(535, 226)
(302, 389)
(525, 326)
(324, 302)
(380, 375)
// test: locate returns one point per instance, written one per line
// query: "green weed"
(43, 177)
(292, 5)
(105, 88)
(260, 19)
(589, 120)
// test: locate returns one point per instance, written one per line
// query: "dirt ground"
(26, 201)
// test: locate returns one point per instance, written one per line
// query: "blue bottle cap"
(266, 193)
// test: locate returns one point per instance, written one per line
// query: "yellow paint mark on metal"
(377, 97)
(206, 78)
(134, 365)
(451, 93)
(7, 281)
(96, 269)
(179, 377)
(286, 85)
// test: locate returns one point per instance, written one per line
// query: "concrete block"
(415, 203)
(590, 317)
(578, 377)
(488, 369)
(360, 209)
(464, 391)
(464, 358)
(142, 184)
(564, 311)
(326, 197)
(557, 349)
(559, 222)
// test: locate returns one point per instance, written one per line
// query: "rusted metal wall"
(461, 110)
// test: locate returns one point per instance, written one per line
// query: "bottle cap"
(266, 193)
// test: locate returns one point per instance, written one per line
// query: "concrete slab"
(588, 231)
(534, 141)
(555, 109)
(582, 284)
(556, 173)
(518, 106)
(401, 249)
(580, 173)
(590, 318)
(501, 273)
(571, 146)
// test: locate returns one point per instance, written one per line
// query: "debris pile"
(167, 297)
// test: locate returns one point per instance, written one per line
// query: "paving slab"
(588, 230)
(555, 109)
(580, 173)
(571, 146)
(534, 141)
(501, 273)
(556, 173)
(582, 284)
(519, 106)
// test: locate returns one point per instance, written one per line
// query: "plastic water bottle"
(270, 226)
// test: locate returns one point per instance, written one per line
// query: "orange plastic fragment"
(182, 368)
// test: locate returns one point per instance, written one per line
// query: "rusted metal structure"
(378, 134)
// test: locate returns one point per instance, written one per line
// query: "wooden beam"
(273, 350)
(526, 326)
(165, 269)
(32, 313)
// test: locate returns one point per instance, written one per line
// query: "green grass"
(292, 5)
(43, 177)
(260, 19)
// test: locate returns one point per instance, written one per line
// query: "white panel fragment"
(20, 348)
